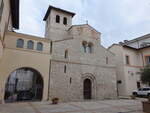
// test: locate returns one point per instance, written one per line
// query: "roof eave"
(52, 7)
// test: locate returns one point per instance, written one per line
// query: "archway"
(24, 84)
(87, 89)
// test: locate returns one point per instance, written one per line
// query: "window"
(90, 47)
(119, 82)
(20, 43)
(106, 60)
(65, 21)
(84, 45)
(57, 19)
(30, 44)
(70, 80)
(65, 69)
(66, 53)
(127, 60)
(1, 9)
(39, 46)
(51, 47)
(138, 85)
(148, 60)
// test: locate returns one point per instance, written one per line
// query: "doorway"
(87, 89)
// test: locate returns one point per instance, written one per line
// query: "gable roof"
(52, 7)
(84, 25)
(14, 5)
(137, 39)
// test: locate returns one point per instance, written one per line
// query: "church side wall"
(103, 78)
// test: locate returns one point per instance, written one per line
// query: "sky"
(117, 20)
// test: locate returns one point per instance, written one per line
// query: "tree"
(145, 75)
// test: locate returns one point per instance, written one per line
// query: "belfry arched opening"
(24, 84)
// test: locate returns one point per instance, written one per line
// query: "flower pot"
(55, 101)
(146, 106)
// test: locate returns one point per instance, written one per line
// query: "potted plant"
(145, 78)
(55, 100)
(133, 97)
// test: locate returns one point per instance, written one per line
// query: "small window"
(1, 9)
(84, 45)
(138, 85)
(65, 21)
(30, 44)
(106, 60)
(39, 46)
(57, 19)
(20, 43)
(51, 47)
(66, 54)
(127, 60)
(119, 82)
(65, 69)
(70, 80)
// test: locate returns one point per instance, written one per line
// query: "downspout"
(49, 79)
(50, 62)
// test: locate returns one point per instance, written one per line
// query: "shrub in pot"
(55, 100)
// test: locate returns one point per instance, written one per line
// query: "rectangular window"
(138, 85)
(127, 60)
(65, 69)
(106, 60)
(148, 60)
(70, 80)
(51, 47)
(1, 9)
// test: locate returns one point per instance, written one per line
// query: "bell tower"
(58, 21)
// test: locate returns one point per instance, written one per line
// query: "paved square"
(104, 106)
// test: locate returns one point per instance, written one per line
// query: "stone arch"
(15, 81)
(92, 78)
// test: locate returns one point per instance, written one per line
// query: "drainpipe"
(117, 89)
(49, 79)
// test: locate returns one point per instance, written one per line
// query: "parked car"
(144, 92)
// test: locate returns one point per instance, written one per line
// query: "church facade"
(68, 63)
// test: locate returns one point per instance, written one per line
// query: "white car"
(142, 92)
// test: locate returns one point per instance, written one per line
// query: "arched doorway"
(24, 84)
(87, 89)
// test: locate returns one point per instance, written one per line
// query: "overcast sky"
(117, 20)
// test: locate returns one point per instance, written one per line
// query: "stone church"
(69, 62)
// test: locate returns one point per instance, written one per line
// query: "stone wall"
(103, 81)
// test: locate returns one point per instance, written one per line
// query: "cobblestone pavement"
(104, 106)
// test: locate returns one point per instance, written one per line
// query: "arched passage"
(87, 89)
(24, 84)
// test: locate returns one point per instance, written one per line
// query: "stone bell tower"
(58, 21)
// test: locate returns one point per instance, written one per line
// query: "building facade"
(68, 63)
(131, 56)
